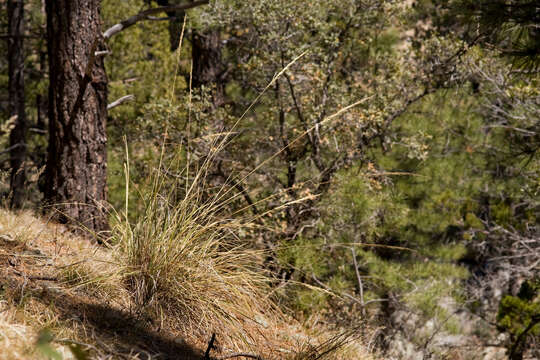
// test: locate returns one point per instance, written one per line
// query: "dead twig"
(246, 355)
(210, 347)
(359, 278)
(145, 15)
(32, 277)
(120, 101)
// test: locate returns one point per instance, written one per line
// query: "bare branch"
(32, 277)
(237, 184)
(359, 278)
(11, 148)
(120, 101)
(166, 18)
(145, 15)
(37, 131)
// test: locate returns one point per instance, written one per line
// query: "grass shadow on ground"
(114, 331)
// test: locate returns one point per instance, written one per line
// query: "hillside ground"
(56, 302)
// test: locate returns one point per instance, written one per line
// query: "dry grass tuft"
(335, 345)
(184, 265)
(14, 336)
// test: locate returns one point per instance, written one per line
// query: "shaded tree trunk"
(175, 23)
(208, 68)
(41, 98)
(77, 156)
(17, 137)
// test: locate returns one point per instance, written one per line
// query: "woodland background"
(381, 158)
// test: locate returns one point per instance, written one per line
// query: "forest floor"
(52, 306)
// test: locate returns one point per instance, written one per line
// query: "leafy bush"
(520, 317)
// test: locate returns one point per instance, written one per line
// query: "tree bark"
(17, 137)
(175, 24)
(76, 170)
(208, 68)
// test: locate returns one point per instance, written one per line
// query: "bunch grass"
(182, 260)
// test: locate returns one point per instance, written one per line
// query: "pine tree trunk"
(175, 23)
(77, 157)
(17, 137)
(208, 68)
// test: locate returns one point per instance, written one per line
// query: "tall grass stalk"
(182, 259)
